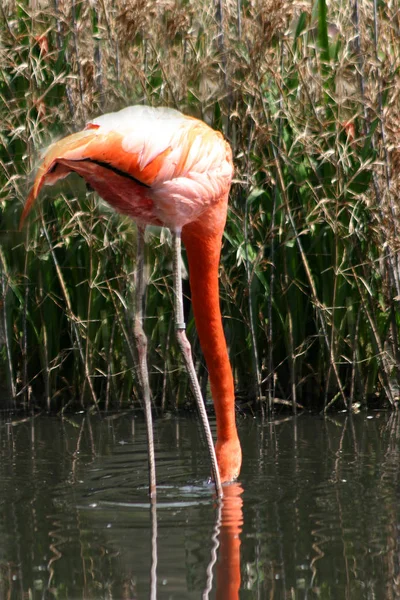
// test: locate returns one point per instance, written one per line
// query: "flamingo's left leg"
(186, 350)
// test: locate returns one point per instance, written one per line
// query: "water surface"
(314, 515)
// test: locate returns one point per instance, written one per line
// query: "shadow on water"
(315, 515)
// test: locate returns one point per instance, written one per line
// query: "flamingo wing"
(156, 165)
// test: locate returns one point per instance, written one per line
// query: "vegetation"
(307, 94)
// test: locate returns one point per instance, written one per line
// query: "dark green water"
(316, 513)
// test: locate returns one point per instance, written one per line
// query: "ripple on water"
(320, 509)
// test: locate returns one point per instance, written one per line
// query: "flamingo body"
(163, 168)
(158, 166)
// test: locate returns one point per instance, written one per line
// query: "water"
(315, 514)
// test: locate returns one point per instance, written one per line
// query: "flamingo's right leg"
(141, 347)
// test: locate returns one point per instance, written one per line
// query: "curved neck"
(203, 252)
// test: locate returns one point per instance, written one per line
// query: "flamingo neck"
(203, 252)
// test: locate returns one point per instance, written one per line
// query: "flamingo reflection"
(228, 566)
(226, 547)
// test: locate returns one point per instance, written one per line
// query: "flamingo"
(164, 168)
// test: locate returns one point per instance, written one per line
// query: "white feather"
(146, 131)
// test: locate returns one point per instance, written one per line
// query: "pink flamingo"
(163, 168)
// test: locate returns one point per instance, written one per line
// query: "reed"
(310, 280)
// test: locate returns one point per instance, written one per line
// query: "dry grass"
(307, 95)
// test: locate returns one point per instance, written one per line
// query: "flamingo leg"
(185, 348)
(141, 347)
